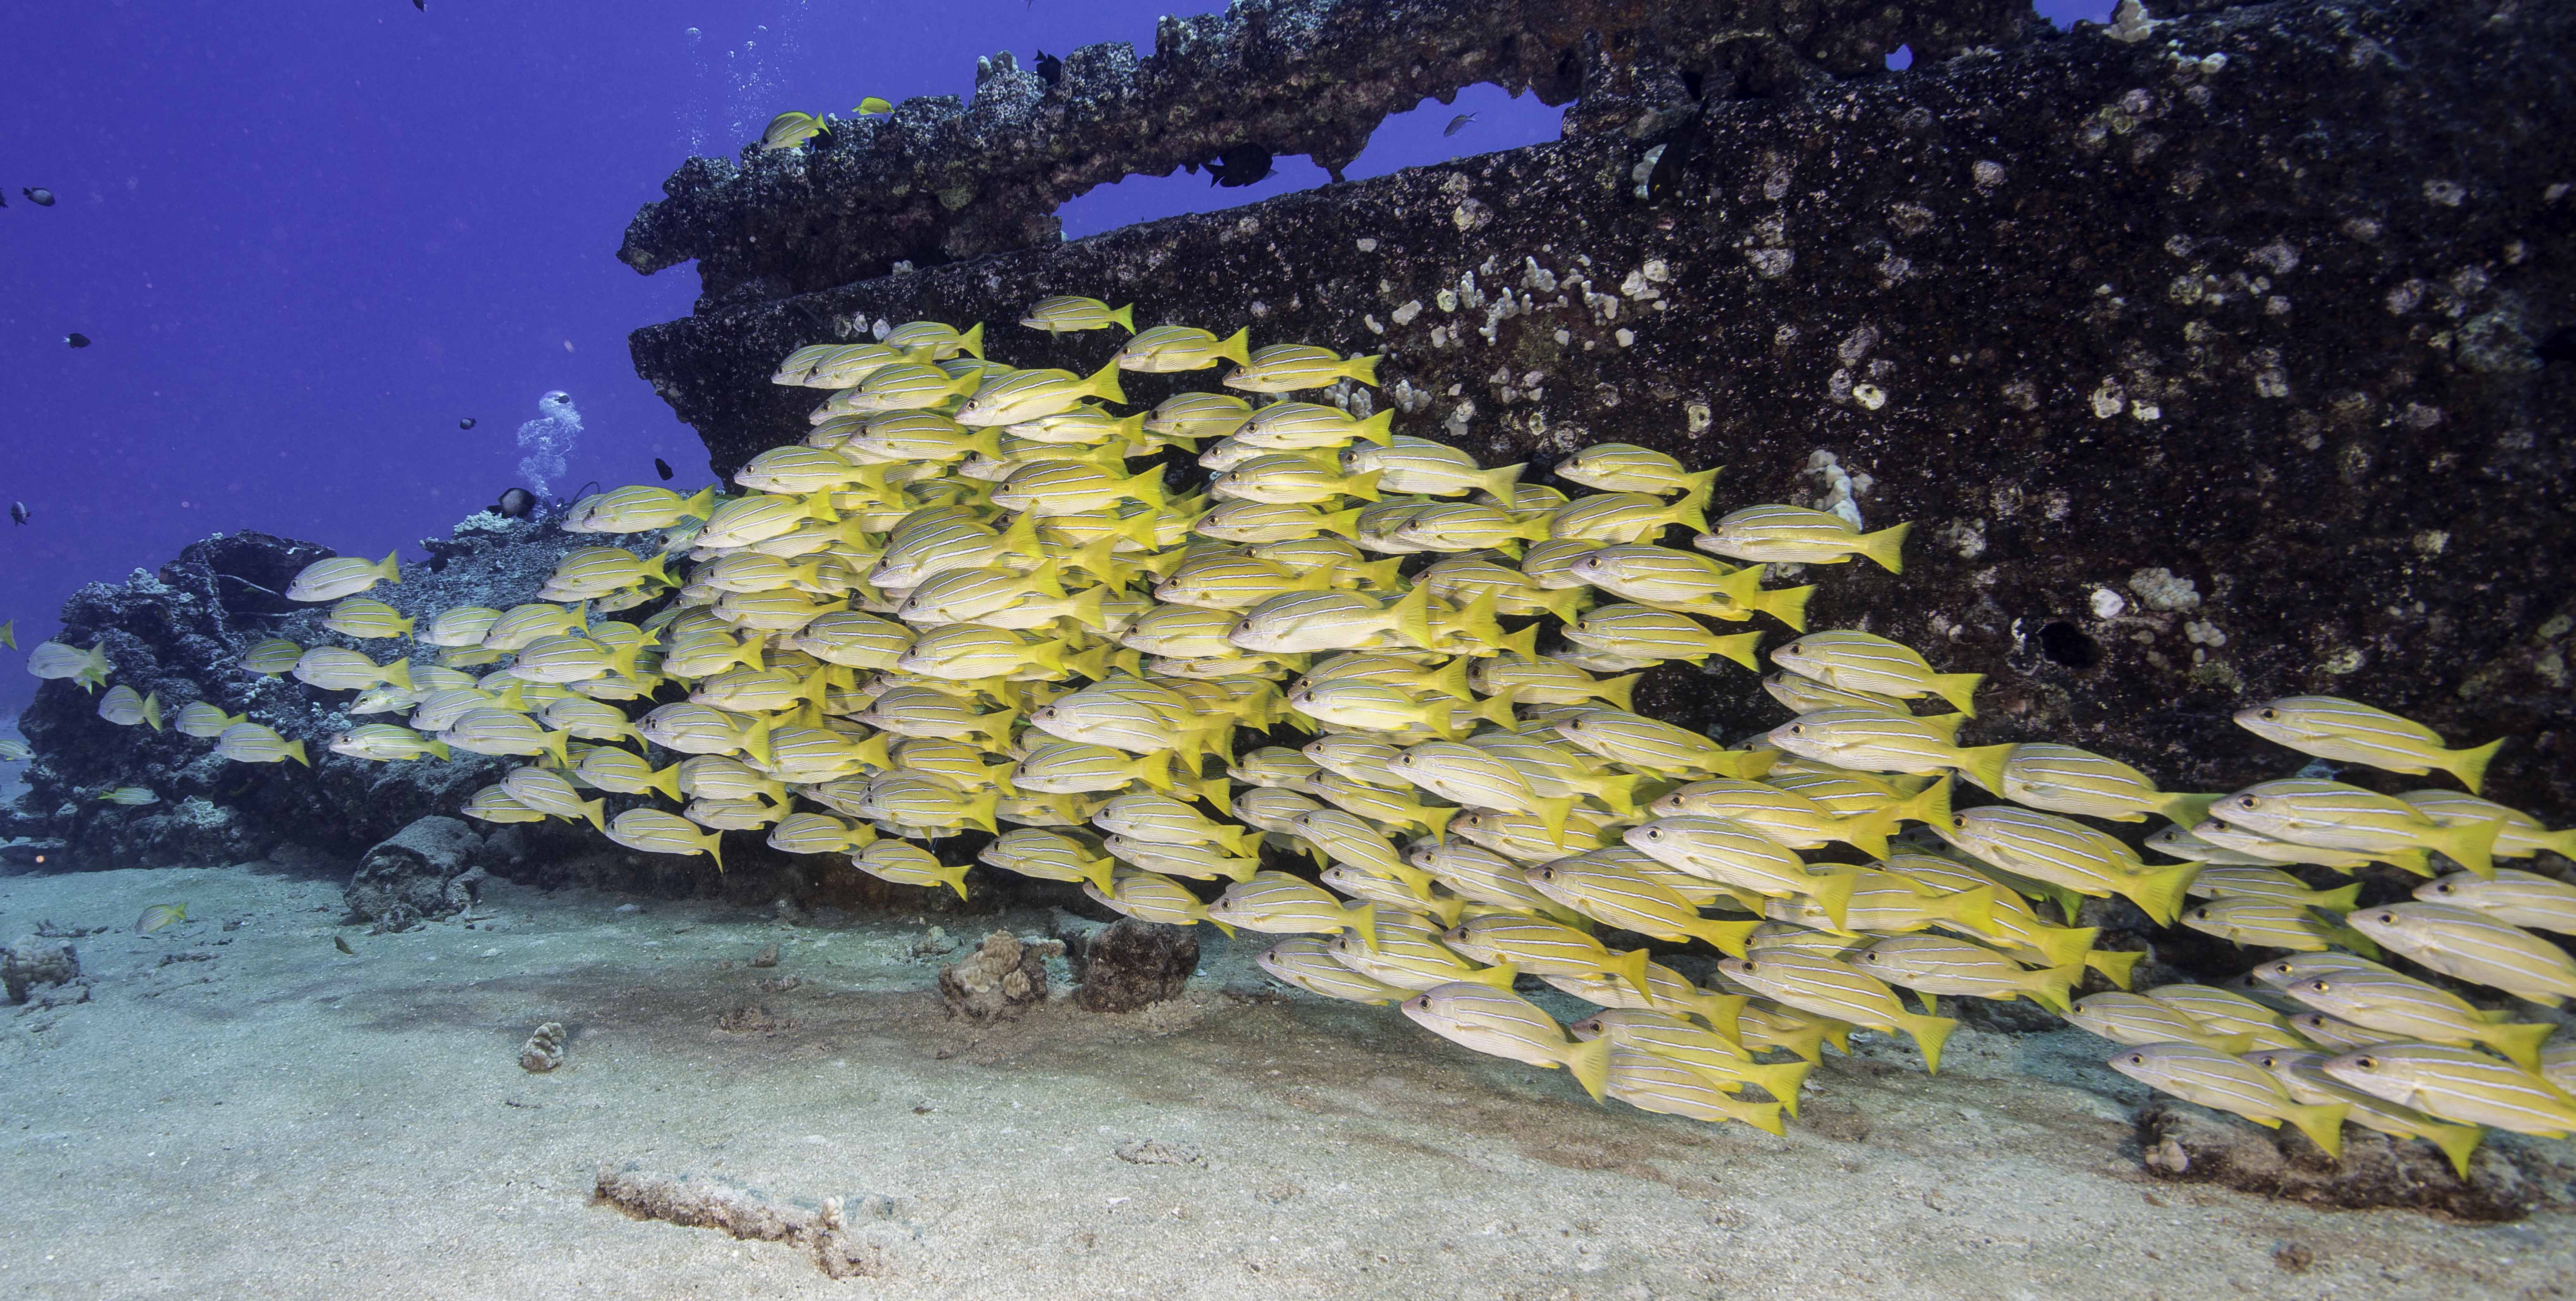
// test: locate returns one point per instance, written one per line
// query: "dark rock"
(1002, 976)
(2182, 1142)
(432, 867)
(1127, 964)
(939, 180)
(2243, 320)
(35, 961)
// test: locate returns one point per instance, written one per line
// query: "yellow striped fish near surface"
(2333, 815)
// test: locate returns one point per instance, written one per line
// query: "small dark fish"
(421, 5)
(341, 942)
(515, 504)
(466, 423)
(76, 339)
(1240, 166)
(663, 468)
(17, 512)
(1458, 124)
(40, 196)
(1050, 68)
(1659, 171)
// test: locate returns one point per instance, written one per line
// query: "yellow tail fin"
(1984, 765)
(1589, 1062)
(1930, 1032)
(2471, 845)
(1833, 894)
(2470, 766)
(295, 751)
(2323, 1125)
(2457, 1142)
(972, 342)
(2160, 893)
(1887, 547)
(1378, 428)
(1960, 689)
(396, 674)
(1236, 347)
(2520, 1044)
(1125, 317)
(1619, 693)
(391, 572)
(2119, 966)
(1363, 369)
(1362, 485)
(1103, 383)
(1738, 647)
(1630, 966)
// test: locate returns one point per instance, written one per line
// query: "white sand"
(279, 1120)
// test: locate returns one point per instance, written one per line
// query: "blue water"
(307, 237)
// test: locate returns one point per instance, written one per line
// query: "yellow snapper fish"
(1860, 661)
(499, 731)
(2064, 779)
(551, 793)
(1833, 988)
(1714, 849)
(849, 365)
(1791, 818)
(1867, 740)
(2136, 1020)
(1306, 962)
(2473, 946)
(522, 624)
(1626, 467)
(1630, 900)
(126, 707)
(1419, 465)
(2518, 834)
(639, 508)
(1297, 622)
(793, 469)
(2348, 731)
(1288, 367)
(1068, 313)
(1649, 633)
(255, 743)
(1665, 1038)
(2405, 1008)
(1262, 521)
(2461, 1085)
(1662, 576)
(460, 627)
(623, 771)
(492, 804)
(53, 660)
(943, 340)
(1153, 897)
(2066, 853)
(790, 129)
(130, 796)
(1805, 695)
(1798, 536)
(2302, 1074)
(160, 915)
(2333, 815)
(1029, 394)
(656, 831)
(384, 742)
(1539, 947)
(1052, 487)
(1292, 478)
(1295, 426)
(1651, 745)
(332, 668)
(2228, 1083)
(1500, 1023)
(1048, 856)
(899, 386)
(2259, 881)
(908, 864)
(366, 619)
(1938, 964)
(1165, 349)
(329, 580)
(1550, 682)
(204, 721)
(2226, 1012)
(1198, 416)
(2514, 897)
(1621, 518)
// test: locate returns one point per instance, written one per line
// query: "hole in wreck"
(1419, 136)
(2066, 644)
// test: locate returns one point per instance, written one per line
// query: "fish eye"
(2137, 1059)
(1959, 822)
(1798, 729)
(2366, 1063)
(2247, 801)
(1654, 833)
(2271, 713)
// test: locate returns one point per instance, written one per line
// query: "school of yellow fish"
(958, 605)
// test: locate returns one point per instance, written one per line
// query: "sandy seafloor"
(240, 1110)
